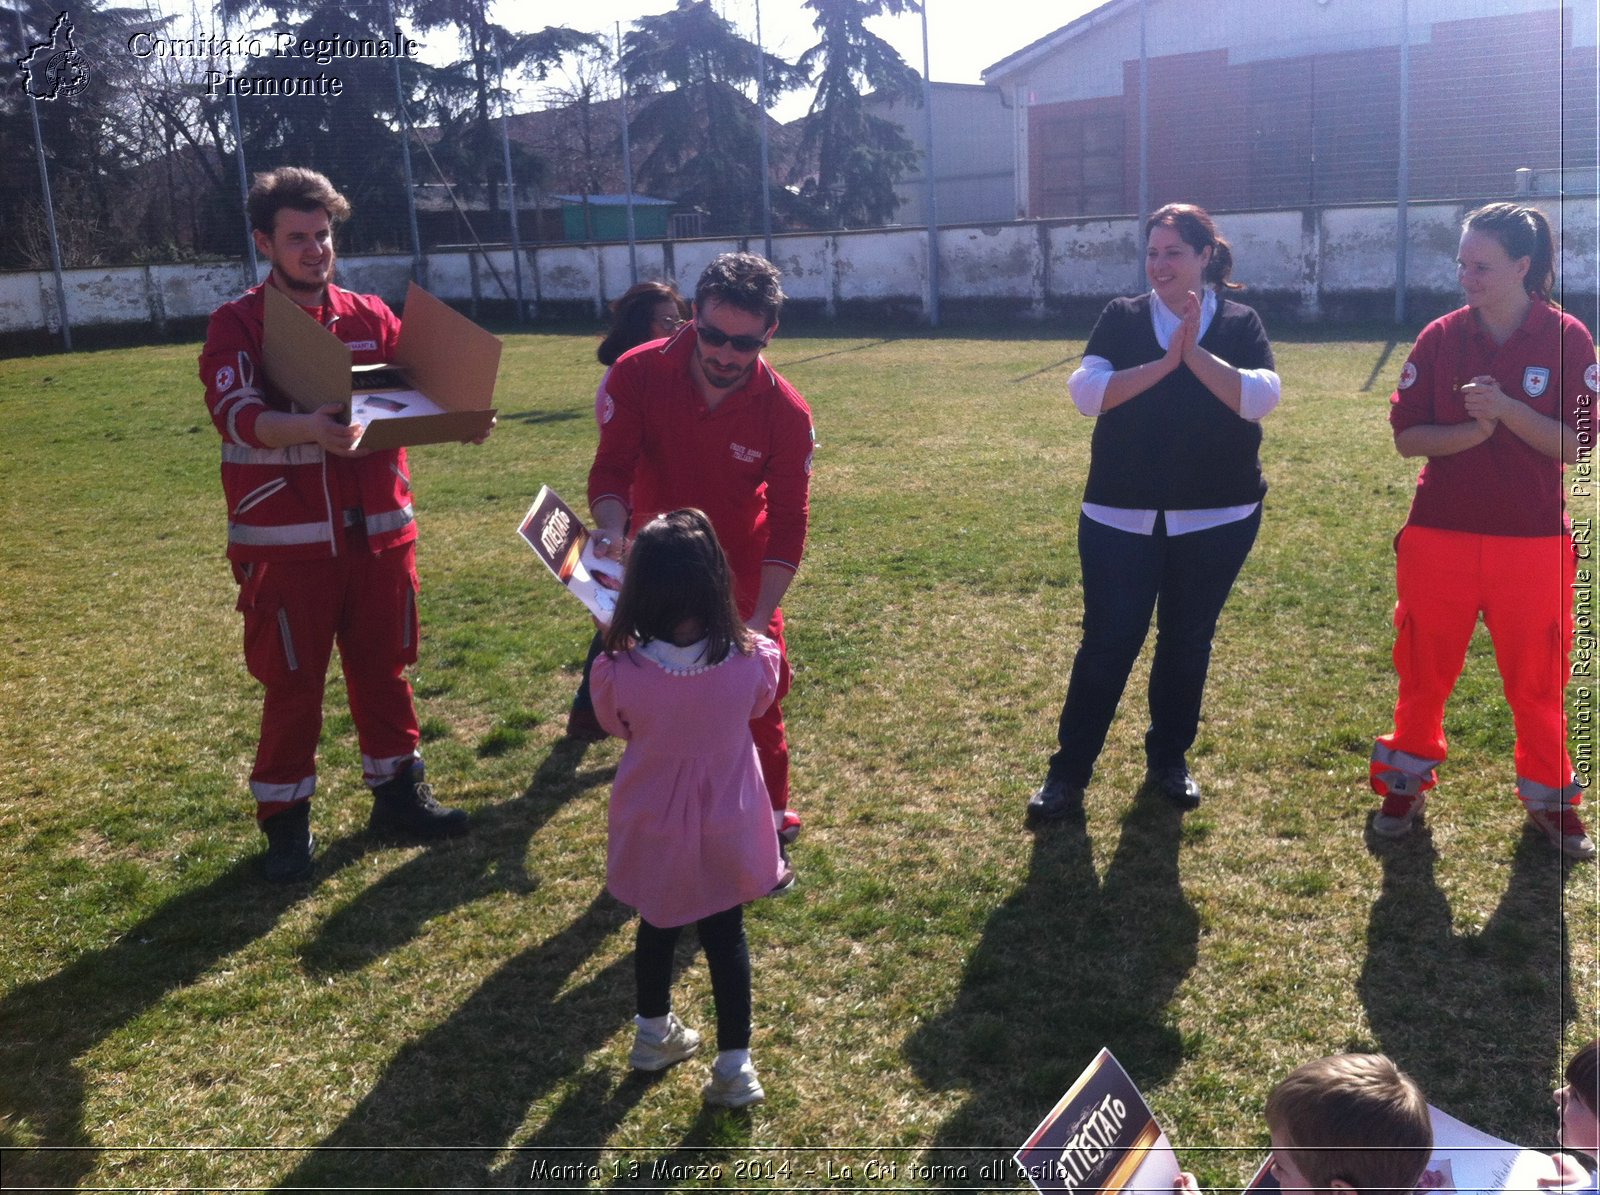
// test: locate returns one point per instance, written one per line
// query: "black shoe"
(583, 726)
(1175, 784)
(404, 806)
(1056, 799)
(290, 844)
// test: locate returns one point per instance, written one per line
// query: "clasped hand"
(1185, 342)
(1485, 401)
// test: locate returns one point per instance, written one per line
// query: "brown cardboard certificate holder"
(443, 355)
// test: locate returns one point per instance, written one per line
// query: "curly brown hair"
(296, 188)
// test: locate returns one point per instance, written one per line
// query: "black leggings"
(727, 957)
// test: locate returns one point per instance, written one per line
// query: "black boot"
(290, 844)
(403, 806)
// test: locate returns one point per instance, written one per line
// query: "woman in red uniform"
(1497, 396)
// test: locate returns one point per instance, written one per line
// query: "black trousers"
(1184, 581)
(727, 957)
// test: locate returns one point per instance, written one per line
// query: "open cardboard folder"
(448, 366)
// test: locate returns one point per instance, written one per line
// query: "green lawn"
(938, 976)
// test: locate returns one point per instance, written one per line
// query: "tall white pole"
(933, 190)
(405, 152)
(761, 103)
(511, 182)
(1144, 145)
(1403, 187)
(253, 267)
(627, 167)
(49, 205)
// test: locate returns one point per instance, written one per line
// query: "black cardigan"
(1176, 446)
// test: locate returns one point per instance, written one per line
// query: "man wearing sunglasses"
(702, 420)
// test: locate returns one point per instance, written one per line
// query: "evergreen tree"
(93, 141)
(859, 156)
(466, 95)
(353, 137)
(688, 68)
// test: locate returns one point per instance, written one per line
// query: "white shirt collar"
(689, 658)
(1165, 321)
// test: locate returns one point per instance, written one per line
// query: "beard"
(302, 280)
(719, 378)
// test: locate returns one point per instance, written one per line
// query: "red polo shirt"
(1503, 486)
(747, 463)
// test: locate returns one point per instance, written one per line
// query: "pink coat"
(690, 824)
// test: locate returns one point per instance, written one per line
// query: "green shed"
(608, 216)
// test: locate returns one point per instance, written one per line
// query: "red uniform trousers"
(294, 613)
(772, 743)
(1522, 586)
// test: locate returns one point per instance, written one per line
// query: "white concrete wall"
(807, 263)
(1099, 256)
(992, 261)
(1308, 260)
(880, 266)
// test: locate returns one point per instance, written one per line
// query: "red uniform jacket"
(290, 503)
(1503, 486)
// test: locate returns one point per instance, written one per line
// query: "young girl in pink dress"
(690, 825)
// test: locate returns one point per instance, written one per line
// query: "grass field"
(459, 1017)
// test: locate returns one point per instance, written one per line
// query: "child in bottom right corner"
(1348, 1123)
(1579, 1102)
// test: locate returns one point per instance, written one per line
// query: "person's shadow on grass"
(47, 1025)
(1067, 965)
(492, 857)
(471, 1081)
(1476, 1018)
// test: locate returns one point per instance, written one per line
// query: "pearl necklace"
(674, 660)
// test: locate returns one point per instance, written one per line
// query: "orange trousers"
(1522, 588)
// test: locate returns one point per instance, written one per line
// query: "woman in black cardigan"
(1177, 381)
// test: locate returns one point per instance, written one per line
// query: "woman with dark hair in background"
(646, 312)
(1497, 395)
(1177, 381)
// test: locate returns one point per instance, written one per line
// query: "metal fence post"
(49, 205)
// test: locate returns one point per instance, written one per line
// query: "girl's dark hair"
(631, 316)
(1194, 225)
(1583, 1076)
(678, 571)
(1522, 232)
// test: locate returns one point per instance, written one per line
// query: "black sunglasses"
(743, 344)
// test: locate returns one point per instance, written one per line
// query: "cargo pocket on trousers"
(410, 622)
(269, 646)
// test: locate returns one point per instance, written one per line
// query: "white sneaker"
(1398, 814)
(738, 1090)
(1566, 832)
(656, 1054)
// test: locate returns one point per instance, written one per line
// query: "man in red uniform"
(702, 420)
(322, 539)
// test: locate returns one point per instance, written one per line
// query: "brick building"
(1267, 103)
